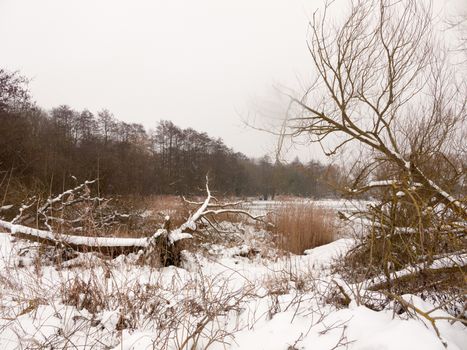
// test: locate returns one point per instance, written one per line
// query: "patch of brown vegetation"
(301, 226)
(149, 214)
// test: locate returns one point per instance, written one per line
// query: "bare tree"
(106, 124)
(383, 81)
(459, 24)
(14, 93)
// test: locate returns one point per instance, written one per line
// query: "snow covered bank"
(219, 300)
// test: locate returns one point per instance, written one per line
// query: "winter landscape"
(163, 235)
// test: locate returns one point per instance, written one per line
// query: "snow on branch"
(56, 238)
(373, 289)
(366, 221)
(383, 183)
(6, 207)
(215, 205)
(61, 196)
(449, 261)
(207, 208)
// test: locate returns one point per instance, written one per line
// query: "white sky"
(204, 64)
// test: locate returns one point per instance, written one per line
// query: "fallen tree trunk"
(458, 260)
(164, 243)
(366, 290)
(107, 245)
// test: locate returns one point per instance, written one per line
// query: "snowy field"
(220, 299)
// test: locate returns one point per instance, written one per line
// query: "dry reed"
(301, 226)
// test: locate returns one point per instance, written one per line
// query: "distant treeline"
(49, 148)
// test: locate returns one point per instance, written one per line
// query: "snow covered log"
(445, 262)
(107, 245)
(165, 241)
(373, 289)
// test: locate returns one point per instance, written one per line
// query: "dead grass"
(172, 206)
(301, 226)
(150, 214)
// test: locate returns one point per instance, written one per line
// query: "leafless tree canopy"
(382, 79)
(14, 95)
(385, 83)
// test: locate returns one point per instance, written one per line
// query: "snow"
(441, 263)
(177, 235)
(382, 183)
(147, 213)
(266, 301)
(137, 340)
(324, 254)
(362, 329)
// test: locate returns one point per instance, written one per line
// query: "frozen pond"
(258, 207)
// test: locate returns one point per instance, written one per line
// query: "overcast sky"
(204, 64)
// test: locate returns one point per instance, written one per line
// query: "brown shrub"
(301, 226)
(84, 295)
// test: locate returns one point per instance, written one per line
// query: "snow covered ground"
(224, 298)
